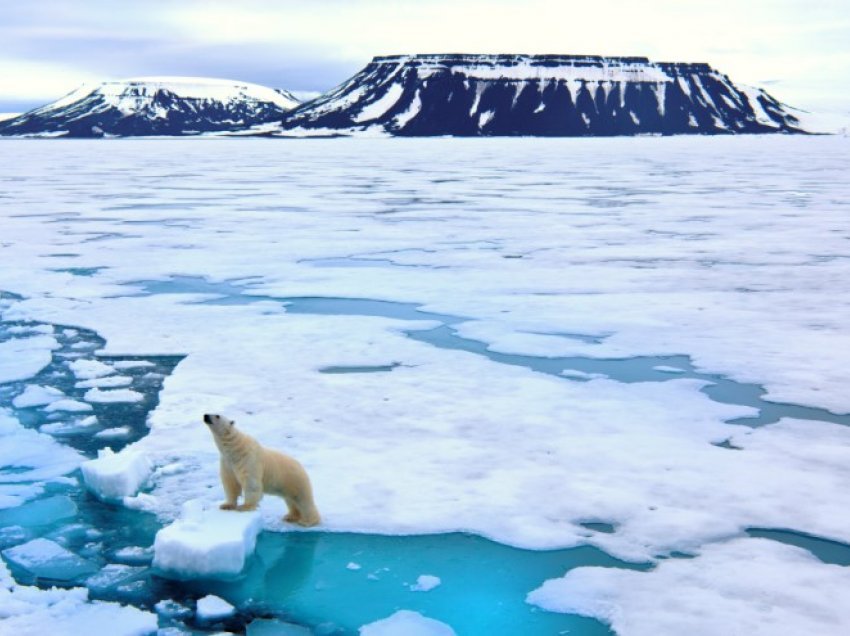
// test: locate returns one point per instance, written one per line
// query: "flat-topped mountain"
(154, 106)
(547, 95)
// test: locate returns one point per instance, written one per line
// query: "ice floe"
(113, 476)
(213, 608)
(744, 586)
(206, 541)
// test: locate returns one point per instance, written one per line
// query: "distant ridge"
(543, 95)
(154, 106)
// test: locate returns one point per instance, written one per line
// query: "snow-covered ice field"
(635, 346)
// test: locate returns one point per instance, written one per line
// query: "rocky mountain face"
(541, 95)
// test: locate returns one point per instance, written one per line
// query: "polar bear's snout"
(207, 418)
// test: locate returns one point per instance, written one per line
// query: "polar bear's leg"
(232, 488)
(293, 514)
(253, 492)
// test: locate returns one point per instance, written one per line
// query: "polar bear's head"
(218, 424)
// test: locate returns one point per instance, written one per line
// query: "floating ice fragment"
(406, 623)
(212, 608)
(206, 542)
(172, 609)
(45, 559)
(71, 406)
(111, 381)
(71, 427)
(667, 369)
(132, 364)
(36, 395)
(117, 432)
(353, 566)
(425, 583)
(133, 555)
(89, 369)
(114, 576)
(117, 395)
(114, 476)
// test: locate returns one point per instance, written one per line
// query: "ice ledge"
(206, 542)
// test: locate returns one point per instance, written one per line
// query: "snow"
(206, 542)
(22, 358)
(212, 608)
(378, 108)
(741, 587)
(113, 476)
(730, 251)
(425, 583)
(28, 611)
(116, 432)
(406, 623)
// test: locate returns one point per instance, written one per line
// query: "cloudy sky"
(798, 49)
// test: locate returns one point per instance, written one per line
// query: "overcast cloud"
(800, 50)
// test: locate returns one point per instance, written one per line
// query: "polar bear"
(251, 470)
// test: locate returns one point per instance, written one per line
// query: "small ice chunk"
(206, 542)
(212, 608)
(71, 406)
(114, 576)
(406, 623)
(109, 382)
(71, 427)
(45, 559)
(116, 395)
(114, 476)
(13, 535)
(132, 364)
(89, 369)
(133, 555)
(172, 609)
(425, 583)
(667, 369)
(40, 512)
(117, 432)
(354, 566)
(36, 395)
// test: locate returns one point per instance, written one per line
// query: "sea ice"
(425, 583)
(45, 559)
(117, 432)
(113, 476)
(22, 358)
(32, 611)
(744, 586)
(69, 427)
(36, 395)
(109, 381)
(35, 456)
(406, 623)
(68, 405)
(90, 369)
(212, 608)
(115, 395)
(206, 542)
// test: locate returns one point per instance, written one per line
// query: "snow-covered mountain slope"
(154, 106)
(553, 95)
